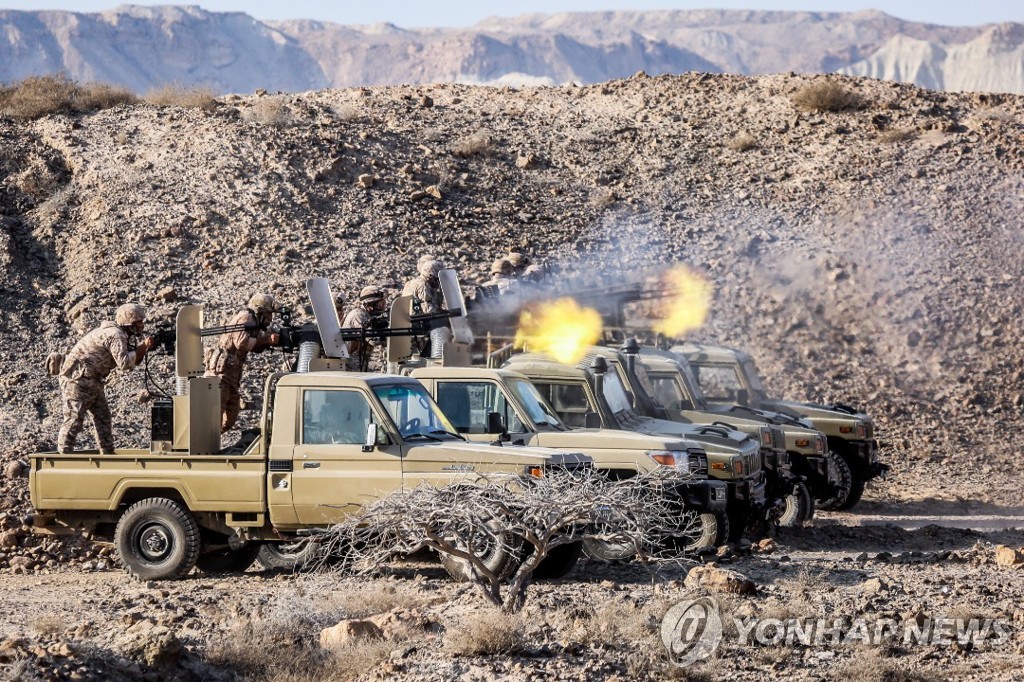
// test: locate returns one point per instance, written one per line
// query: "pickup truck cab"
(728, 376)
(486, 404)
(329, 443)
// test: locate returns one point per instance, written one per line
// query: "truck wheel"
(501, 555)
(157, 539)
(799, 508)
(707, 537)
(287, 556)
(609, 550)
(228, 560)
(842, 490)
(724, 529)
(559, 562)
(857, 484)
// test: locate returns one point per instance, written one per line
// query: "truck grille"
(752, 462)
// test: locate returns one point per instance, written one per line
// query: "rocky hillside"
(147, 47)
(872, 255)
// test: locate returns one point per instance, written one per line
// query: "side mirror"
(371, 438)
(743, 397)
(592, 420)
(495, 423)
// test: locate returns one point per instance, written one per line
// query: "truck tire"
(228, 560)
(799, 508)
(724, 528)
(609, 550)
(157, 539)
(501, 557)
(287, 556)
(838, 497)
(857, 483)
(708, 537)
(559, 562)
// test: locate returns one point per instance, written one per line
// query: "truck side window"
(569, 400)
(718, 382)
(669, 395)
(334, 417)
(466, 404)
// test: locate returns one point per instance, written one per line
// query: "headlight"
(535, 470)
(766, 437)
(737, 466)
(687, 462)
(667, 458)
(862, 430)
(820, 444)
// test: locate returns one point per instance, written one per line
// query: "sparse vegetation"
(347, 113)
(895, 135)
(486, 633)
(827, 95)
(742, 141)
(39, 96)
(475, 144)
(48, 626)
(269, 111)
(177, 95)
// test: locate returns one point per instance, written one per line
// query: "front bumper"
(867, 457)
(705, 496)
(749, 492)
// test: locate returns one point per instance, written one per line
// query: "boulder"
(347, 632)
(714, 579)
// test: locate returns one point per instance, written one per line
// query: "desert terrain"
(870, 255)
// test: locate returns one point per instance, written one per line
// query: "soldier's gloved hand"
(149, 343)
(274, 339)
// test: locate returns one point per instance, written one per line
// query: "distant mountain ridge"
(145, 47)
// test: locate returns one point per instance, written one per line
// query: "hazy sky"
(466, 12)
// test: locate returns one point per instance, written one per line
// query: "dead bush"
(176, 95)
(38, 96)
(48, 626)
(475, 144)
(868, 667)
(826, 95)
(487, 633)
(347, 113)
(895, 135)
(373, 599)
(269, 111)
(742, 141)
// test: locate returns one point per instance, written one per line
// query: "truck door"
(467, 403)
(332, 476)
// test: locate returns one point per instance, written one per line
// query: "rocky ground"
(871, 256)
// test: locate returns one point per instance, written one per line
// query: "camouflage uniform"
(362, 352)
(227, 361)
(427, 295)
(428, 299)
(82, 375)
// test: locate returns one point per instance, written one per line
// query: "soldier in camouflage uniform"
(372, 303)
(428, 299)
(227, 359)
(519, 261)
(501, 276)
(86, 368)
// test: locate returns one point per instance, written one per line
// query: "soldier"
(372, 303)
(339, 306)
(501, 276)
(519, 261)
(428, 299)
(227, 359)
(86, 368)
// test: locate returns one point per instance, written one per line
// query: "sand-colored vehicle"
(594, 391)
(328, 443)
(801, 449)
(728, 376)
(486, 404)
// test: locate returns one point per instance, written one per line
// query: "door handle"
(311, 465)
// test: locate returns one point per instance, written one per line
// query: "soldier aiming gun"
(227, 359)
(368, 315)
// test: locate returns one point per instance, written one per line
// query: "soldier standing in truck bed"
(428, 299)
(227, 359)
(372, 303)
(86, 368)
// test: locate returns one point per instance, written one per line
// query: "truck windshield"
(691, 386)
(542, 414)
(615, 393)
(414, 412)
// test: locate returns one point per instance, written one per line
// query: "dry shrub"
(373, 599)
(894, 135)
(176, 95)
(487, 633)
(869, 667)
(269, 111)
(39, 96)
(603, 198)
(347, 113)
(826, 95)
(475, 144)
(742, 142)
(48, 626)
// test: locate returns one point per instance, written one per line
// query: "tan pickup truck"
(329, 443)
(487, 404)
